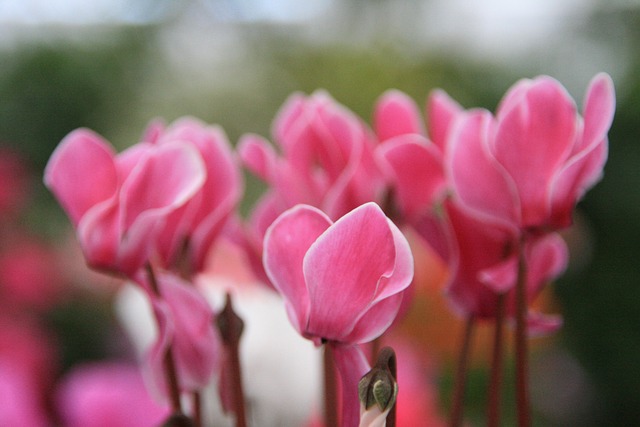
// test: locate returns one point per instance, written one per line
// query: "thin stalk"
(168, 361)
(495, 383)
(522, 362)
(197, 409)
(231, 327)
(330, 389)
(461, 374)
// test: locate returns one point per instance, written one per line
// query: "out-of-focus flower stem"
(231, 327)
(461, 374)
(197, 409)
(522, 363)
(169, 362)
(495, 382)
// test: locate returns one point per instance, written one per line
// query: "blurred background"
(112, 65)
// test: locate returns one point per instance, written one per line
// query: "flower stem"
(495, 383)
(522, 365)
(461, 374)
(197, 409)
(168, 360)
(231, 327)
(330, 389)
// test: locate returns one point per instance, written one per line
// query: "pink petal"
(99, 236)
(285, 244)
(441, 112)
(539, 324)
(501, 277)
(257, 155)
(477, 178)
(599, 107)
(344, 269)
(352, 365)
(533, 140)
(418, 173)
(547, 258)
(375, 321)
(81, 172)
(396, 114)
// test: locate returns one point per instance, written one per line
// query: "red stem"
(522, 363)
(168, 360)
(495, 383)
(461, 374)
(330, 389)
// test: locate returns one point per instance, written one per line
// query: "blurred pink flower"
(326, 161)
(190, 230)
(119, 203)
(107, 394)
(528, 166)
(29, 275)
(485, 265)
(186, 323)
(342, 282)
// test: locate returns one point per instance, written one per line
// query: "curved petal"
(343, 270)
(396, 114)
(375, 321)
(539, 324)
(599, 107)
(418, 173)
(285, 245)
(99, 236)
(477, 179)
(352, 365)
(257, 155)
(533, 140)
(441, 112)
(81, 172)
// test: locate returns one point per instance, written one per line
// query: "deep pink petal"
(81, 172)
(501, 277)
(375, 321)
(547, 258)
(343, 270)
(477, 179)
(539, 324)
(441, 112)
(285, 245)
(352, 365)
(418, 173)
(396, 114)
(533, 140)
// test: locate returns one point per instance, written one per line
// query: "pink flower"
(107, 394)
(119, 203)
(528, 166)
(342, 282)
(485, 265)
(186, 323)
(191, 230)
(326, 161)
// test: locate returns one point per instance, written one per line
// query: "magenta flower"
(342, 282)
(190, 230)
(119, 203)
(528, 166)
(485, 265)
(107, 394)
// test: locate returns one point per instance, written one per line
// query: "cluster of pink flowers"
(487, 192)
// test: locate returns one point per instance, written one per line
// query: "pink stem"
(461, 374)
(522, 365)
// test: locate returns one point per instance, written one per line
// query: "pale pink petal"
(539, 324)
(441, 112)
(514, 96)
(288, 119)
(196, 345)
(501, 277)
(285, 244)
(352, 365)
(344, 267)
(533, 140)
(153, 361)
(477, 178)
(547, 258)
(81, 172)
(418, 173)
(396, 114)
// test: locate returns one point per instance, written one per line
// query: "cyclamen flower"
(528, 166)
(326, 160)
(342, 282)
(119, 203)
(190, 230)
